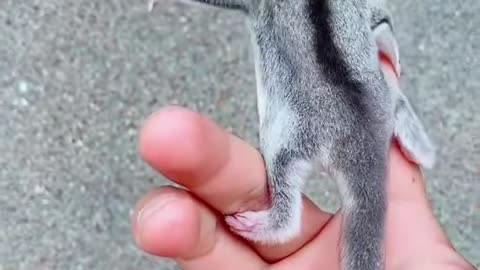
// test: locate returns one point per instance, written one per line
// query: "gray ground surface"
(78, 77)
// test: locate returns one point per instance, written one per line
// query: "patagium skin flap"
(324, 104)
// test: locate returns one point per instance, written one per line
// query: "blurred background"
(78, 78)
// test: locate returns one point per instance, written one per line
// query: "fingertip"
(167, 224)
(173, 140)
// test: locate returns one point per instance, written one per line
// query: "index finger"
(192, 151)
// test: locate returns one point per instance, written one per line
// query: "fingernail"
(149, 210)
(152, 207)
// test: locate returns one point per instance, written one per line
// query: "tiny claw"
(152, 4)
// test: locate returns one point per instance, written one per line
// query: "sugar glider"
(324, 104)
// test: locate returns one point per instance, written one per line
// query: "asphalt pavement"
(78, 78)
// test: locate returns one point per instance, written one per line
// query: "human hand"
(221, 173)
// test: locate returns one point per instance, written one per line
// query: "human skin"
(220, 173)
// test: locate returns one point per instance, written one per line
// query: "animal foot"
(262, 227)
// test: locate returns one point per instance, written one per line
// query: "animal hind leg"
(282, 221)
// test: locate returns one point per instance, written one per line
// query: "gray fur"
(325, 104)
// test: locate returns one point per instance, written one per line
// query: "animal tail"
(364, 210)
